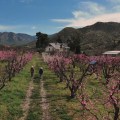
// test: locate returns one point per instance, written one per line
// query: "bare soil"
(44, 102)
(26, 102)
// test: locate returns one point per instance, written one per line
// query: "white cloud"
(4, 27)
(84, 22)
(29, 29)
(34, 27)
(93, 8)
(116, 8)
(90, 13)
(62, 20)
(80, 14)
(101, 18)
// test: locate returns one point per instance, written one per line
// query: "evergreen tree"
(42, 40)
(74, 44)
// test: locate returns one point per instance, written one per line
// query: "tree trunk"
(9, 77)
(116, 112)
(61, 78)
(73, 92)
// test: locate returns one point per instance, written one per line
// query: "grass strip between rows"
(13, 94)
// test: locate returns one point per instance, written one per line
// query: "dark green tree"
(42, 40)
(59, 40)
(74, 42)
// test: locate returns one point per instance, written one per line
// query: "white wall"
(49, 49)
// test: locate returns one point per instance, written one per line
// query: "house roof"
(58, 45)
(111, 52)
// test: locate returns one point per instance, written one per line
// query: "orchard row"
(101, 100)
(13, 62)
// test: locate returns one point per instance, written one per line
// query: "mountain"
(31, 44)
(65, 35)
(95, 39)
(100, 37)
(10, 38)
(101, 26)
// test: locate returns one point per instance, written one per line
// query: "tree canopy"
(42, 40)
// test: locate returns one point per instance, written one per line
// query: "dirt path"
(44, 105)
(26, 103)
(44, 102)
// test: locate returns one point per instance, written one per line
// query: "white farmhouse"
(54, 47)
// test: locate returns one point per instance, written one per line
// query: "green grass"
(61, 106)
(12, 95)
(57, 95)
(35, 111)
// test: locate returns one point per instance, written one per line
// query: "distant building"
(113, 53)
(57, 47)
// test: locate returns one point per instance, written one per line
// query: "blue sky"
(50, 16)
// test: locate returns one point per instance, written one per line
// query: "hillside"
(31, 44)
(10, 38)
(95, 39)
(101, 37)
